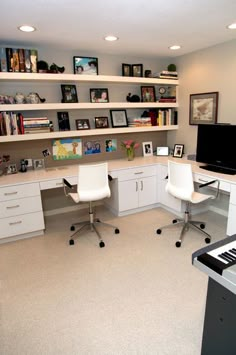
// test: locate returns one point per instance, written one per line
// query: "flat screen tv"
(216, 147)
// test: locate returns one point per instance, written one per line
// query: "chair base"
(187, 223)
(91, 223)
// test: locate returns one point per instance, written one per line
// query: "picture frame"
(203, 108)
(85, 65)
(137, 70)
(99, 95)
(11, 169)
(92, 147)
(38, 164)
(147, 149)
(162, 151)
(148, 94)
(101, 122)
(178, 151)
(126, 69)
(82, 124)
(119, 118)
(69, 93)
(63, 121)
(111, 145)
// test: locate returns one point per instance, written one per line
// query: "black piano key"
(229, 256)
(223, 257)
(232, 251)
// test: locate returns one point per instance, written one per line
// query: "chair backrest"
(93, 182)
(180, 180)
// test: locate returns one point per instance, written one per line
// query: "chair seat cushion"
(90, 195)
(197, 197)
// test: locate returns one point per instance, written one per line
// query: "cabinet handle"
(10, 193)
(9, 207)
(141, 185)
(138, 173)
(202, 180)
(136, 186)
(13, 223)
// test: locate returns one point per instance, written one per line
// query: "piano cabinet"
(220, 320)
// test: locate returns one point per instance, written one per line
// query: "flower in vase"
(129, 146)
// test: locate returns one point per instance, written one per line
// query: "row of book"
(166, 117)
(166, 74)
(140, 122)
(12, 123)
(18, 60)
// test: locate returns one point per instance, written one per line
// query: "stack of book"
(166, 74)
(140, 122)
(36, 125)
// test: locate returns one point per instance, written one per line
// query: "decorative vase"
(130, 154)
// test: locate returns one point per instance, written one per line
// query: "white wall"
(208, 70)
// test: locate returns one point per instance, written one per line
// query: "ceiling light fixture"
(111, 38)
(174, 48)
(232, 26)
(26, 28)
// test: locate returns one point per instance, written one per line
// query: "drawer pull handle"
(13, 223)
(202, 180)
(136, 186)
(10, 207)
(138, 173)
(141, 185)
(10, 193)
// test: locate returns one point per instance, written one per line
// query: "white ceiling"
(144, 27)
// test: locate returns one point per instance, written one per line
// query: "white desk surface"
(113, 166)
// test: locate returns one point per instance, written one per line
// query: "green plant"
(171, 67)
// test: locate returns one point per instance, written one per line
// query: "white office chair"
(180, 185)
(92, 186)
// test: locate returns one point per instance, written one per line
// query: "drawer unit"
(19, 191)
(200, 179)
(56, 183)
(20, 206)
(136, 173)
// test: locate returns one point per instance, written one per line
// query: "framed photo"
(92, 147)
(119, 118)
(63, 121)
(101, 122)
(38, 164)
(148, 94)
(137, 70)
(163, 151)
(203, 108)
(178, 151)
(147, 149)
(11, 169)
(85, 65)
(69, 93)
(126, 69)
(99, 95)
(111, 145)
(82, 124)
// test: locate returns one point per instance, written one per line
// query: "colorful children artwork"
(67, 148)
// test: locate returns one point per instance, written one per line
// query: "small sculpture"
(20, 98)
(56, 68)
(34, 98)
(133, 98)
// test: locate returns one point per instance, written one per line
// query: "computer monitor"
(216, 147)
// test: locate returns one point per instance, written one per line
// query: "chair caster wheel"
(178, 244)
(202, 226)
(117, 231)
(102, 244)
(207, 240)
(174, 221)
(158, 231)
(98, 220)
(72, 228)
(71, 242)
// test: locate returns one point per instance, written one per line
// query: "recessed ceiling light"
(174, 48)
(111, 38)
(26, 28)
(232, 26)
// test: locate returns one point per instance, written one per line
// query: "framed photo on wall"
(126, 69)
(85, 65)
(203, 108)
(82, 124)
(148, 94)
(69, 93)
(99, 95)
(137, 70)
(178, 151)
(101, 122)
(119, 118)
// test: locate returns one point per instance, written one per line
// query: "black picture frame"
(85, 65)
(126, 69)
(178, 151)
(203, 108)
(101, 122)
(148, 94)
(137, 70)
(99, 95)
(119, 118)
(63, 121)
(69, 93)
(82, 124)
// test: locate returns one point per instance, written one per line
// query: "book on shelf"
(3, 60)
(21, 60)
(9, 56)
(167, 99)
(15, 60)
(33, 60)
(27, 61)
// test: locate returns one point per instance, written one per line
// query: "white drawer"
(232, 199)
(22, 224)
(136, 173)
(20, 206)
(224, 186)
(55, 183)
(19, 191)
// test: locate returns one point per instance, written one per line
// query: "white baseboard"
(219, 211)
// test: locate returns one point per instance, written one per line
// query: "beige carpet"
(139, 295)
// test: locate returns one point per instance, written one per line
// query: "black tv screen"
(216, 147)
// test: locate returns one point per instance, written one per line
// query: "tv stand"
(218, 169)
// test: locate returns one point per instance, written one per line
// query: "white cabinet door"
(128, 195)
(147, 191)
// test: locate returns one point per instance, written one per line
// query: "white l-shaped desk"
(137, 185)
